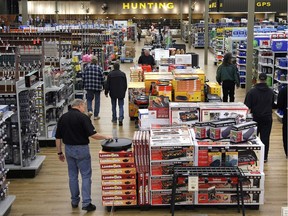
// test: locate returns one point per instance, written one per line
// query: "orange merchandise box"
(187, 96)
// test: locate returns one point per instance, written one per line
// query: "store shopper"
(282, 105)
(116, 87)
(93, 80)
(227, 76)
(260, 101)
(139, 32)
(146, 59)
(74, 129)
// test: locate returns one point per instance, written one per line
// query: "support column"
(56, 11)
(181, 18)
(250, 37)
(189, 24)
(24, 11)
(206, 34)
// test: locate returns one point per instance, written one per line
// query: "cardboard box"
(118, 182)
(118, 187)
(119, 203)
(121, 160)
(166, 183)
(184, 84)
(172, 153)
(118, 192)
(164, 90)
(182, 130)
(230, 197)
(117, 166)
(183, 59)
(170, 141)
(192, 96)
(243, 132)
(103, 154)
(217, 182)
(202, 130)
(120, 197)
(118, 171)
(158, 107)
(221, 130)
(164, 198)
(119, 176)
(167, 167)
(183, 113)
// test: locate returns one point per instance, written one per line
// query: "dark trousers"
(264, 126)
(139, 36)
(228, 88)
(284, 133)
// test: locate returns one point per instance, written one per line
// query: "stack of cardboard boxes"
(129, 49)
(118, 176)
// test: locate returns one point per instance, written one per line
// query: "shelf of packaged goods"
(35, 86)
(241, 56)
(54, 88)
(6, 115)
(265, 64)
(34, 165)
(266, 57)
(59, 104)
(271, 75)
(280, 67)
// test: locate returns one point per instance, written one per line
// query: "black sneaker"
(74, 205)
(90, 207)
(114, 121)
(120, 123)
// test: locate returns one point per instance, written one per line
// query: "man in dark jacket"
(146, 59)
(116, 86)
(282, 104)
(260, 101)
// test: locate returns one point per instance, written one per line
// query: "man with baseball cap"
(260, 101)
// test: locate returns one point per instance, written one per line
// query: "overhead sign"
(149, 5)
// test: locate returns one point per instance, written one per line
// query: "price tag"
(193, 183)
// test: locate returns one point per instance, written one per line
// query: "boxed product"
(118, 171)
(119, 176)
(158, 107)
(231, 157)
(179, 130)
(184, 83)
(170, 141)
(118, 182)
(279, 44)
(120, 197)
(118, 192)
(167, 167)
(214, 158)
(183, 59)
(221, 130)
(185, 96)
(143, 189)
(164, 198)
(172, 153)
(136, 89)
(128, 153)
(214, 88)
(213, 196)
(252, 181)
(123, 160)
(251, 158)
(202, 130)
(166, 183)
(4, 108)
(164, 90)
(118, 187)
(119, 202)
(183, 113)
(217, 182)
(243, 132)
(117, 166)
(154, 77)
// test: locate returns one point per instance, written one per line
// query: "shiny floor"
(48, 193)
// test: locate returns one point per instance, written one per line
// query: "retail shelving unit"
(6, 200)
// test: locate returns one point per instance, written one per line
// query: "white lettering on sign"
(149, 5)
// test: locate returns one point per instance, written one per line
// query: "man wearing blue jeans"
(116, 86)
(74, 129)
(93, 80)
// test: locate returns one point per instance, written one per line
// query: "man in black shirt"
(260, 101)
(146, 59)
(74, 129)
(282, 105)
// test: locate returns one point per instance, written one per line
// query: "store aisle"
(48, 193)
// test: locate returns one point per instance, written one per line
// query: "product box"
(140, 188)
(229, 197)
(231, 158)
(214, 88)
(214, 158)
(183, 113)
(166, 183)
(158, 107)
(164, 90)
(119, 176)
(123, 154)
(167, 167)
(118, 171)
(202, 130)
(4, 108)
(172, 153)
(153, 77)
(243, 132)
(221, 130)
(252, 181)
(186, 83)
(279, 45)
(118, 182)
(119, 202)
(164, 198)
(135, 89)
(181, 130)
(183, 59)
(217, 182)
(120, 197)
(250, 159)
(117, 166)
(170, 141)
(118, 187)
(118, 192)
(123, 160)
(185, 96)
